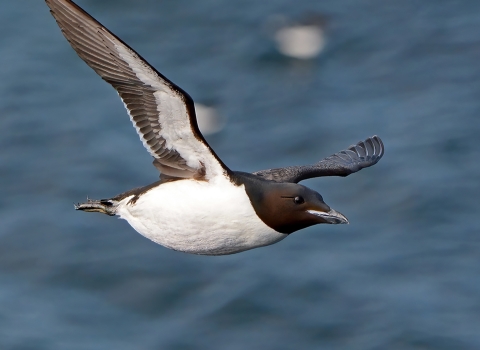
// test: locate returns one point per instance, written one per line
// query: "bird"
(198, 205)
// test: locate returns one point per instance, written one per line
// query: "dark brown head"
(288, 207)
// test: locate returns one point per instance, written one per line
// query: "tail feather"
(104, 206)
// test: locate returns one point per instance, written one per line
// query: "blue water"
(405, 274)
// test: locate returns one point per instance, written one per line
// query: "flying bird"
(198, 205)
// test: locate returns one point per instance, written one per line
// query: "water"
(404, 275)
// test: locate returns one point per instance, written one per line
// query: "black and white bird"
(199, 205)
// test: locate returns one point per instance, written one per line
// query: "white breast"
(199, 217)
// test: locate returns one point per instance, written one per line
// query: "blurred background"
(287, 82)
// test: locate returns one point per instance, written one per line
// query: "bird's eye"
(299, 200)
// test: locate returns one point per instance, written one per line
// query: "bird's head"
(288, 207)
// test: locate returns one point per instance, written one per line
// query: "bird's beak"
(330, 217)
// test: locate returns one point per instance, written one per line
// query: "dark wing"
(356, 157)
(162, 113)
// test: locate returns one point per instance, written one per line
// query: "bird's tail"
(104, 206)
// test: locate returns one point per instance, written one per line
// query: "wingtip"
(377, 149)
(382, 147)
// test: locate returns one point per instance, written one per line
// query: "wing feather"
(161, 112)
(362, 155)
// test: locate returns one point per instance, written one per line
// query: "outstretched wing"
(356, 157)
(162, 113)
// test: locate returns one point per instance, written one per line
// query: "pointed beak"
(331, 217)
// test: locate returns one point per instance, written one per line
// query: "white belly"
(199, 217)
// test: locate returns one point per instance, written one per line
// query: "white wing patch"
(173, 119)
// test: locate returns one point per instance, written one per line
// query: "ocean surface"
(405, 274)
